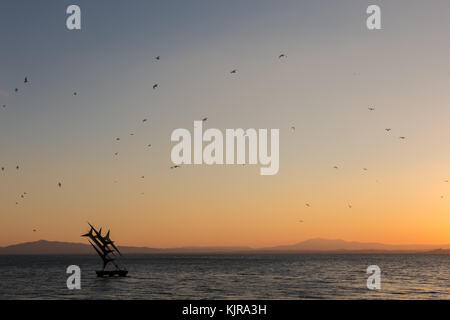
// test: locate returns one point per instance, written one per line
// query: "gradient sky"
(335, 69)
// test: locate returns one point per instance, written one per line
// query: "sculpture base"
(111, 273)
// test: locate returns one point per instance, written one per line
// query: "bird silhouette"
(350, 206)
(144, 120)
(293, 129)
(371, 108)
(307, 204)
(117, 139)
(155, 86)
(74, 93)
(26, 80)
(60, 184)
(403, 138)
(157, 57)
(301, 221)
(17, 167)
(204, 119)
(336, 167)
(233, 71)
(388, 129)
(149, 145)
(16, 89)
(282, 56)
(174, 167)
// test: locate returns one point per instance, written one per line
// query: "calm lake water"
(229, 277)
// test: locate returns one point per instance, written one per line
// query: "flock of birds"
(3, 168)
(145, 120)
(75, 93)
(350, 206)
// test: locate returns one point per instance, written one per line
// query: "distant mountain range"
(317, 245)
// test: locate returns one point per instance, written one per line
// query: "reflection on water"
(229, 277)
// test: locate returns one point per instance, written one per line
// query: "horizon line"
(278, 247)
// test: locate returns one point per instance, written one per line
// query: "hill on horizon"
(317, 245)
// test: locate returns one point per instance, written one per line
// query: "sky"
(334, 71)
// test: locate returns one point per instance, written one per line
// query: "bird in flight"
(60, 185)
(16, 89)
(307, 204)
(301, 221)
(388, 129)
(142, 177)
(34, 230)
(149, 145)
(233, 71)
(403, 138)
(293, 129)
(17, 167)
(365, 169)
(155, 86)
(350, 206)
(116, 153)
(26, 80)
(144, 120)
(157, 57)
(174, 167)
(371, 108)
(282, 56)
(336, 167)
(74, 93)
(204, 119)
(117, 139)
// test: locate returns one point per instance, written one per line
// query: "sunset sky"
(334, 71)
